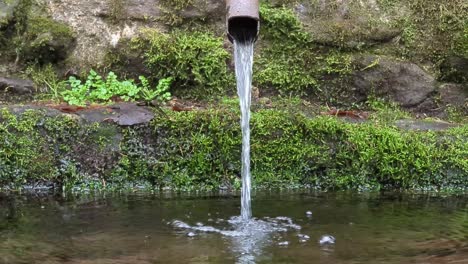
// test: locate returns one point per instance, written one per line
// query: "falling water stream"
(243, 57)
(249, 235)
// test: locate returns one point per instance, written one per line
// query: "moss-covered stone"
(43, 146)
(7, 9)
(31, 36)
(201, 149)
(46, 40)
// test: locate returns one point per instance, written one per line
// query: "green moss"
(22, 155)
(177, 4)
(201, 150)
(38, 148)
(196, 61)
(461, 42)
(288, 61)
(432, 29)
(46, 40)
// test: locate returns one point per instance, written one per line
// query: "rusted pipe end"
(243, 20)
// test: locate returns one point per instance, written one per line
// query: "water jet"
(242, 29)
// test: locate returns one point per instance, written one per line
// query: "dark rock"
(455, 69)
(124, 114)
(47, 40)
(454, 94)
(131, 114)
(16, 86)
(402, 82)
(204, 9)
(423, 125)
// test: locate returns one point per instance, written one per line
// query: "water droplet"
(42, 207)
(309, 213)
(327, 240)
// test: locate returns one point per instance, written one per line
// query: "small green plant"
(159, 94)
(46, 80)
(96, 89)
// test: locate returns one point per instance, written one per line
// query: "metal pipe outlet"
(243, 20)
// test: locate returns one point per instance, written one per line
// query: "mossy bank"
(201, 150)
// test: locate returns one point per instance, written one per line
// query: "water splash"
(248, 237)
(243, 57)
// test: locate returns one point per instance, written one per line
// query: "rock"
(423, 125)
(95, 32)
(124, 114)
(204, 9)
(402, 82)
(350, 24)
(103, 25)
(16, 86)
(142, 9)
(454, 94)
(455, 69)
(47, 40)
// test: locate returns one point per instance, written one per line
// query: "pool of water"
(287, 228)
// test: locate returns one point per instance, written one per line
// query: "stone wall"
(404, 51)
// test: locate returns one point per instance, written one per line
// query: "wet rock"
(283, 243)
(16, 86)
(402, 82)
(423, 125)
(131, 114)
(124, 114)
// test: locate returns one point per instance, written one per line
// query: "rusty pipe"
(243, 20)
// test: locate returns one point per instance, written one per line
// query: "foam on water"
(248, 237)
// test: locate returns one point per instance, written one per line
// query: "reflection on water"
(368, 228)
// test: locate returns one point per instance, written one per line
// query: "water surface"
(369, 228)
